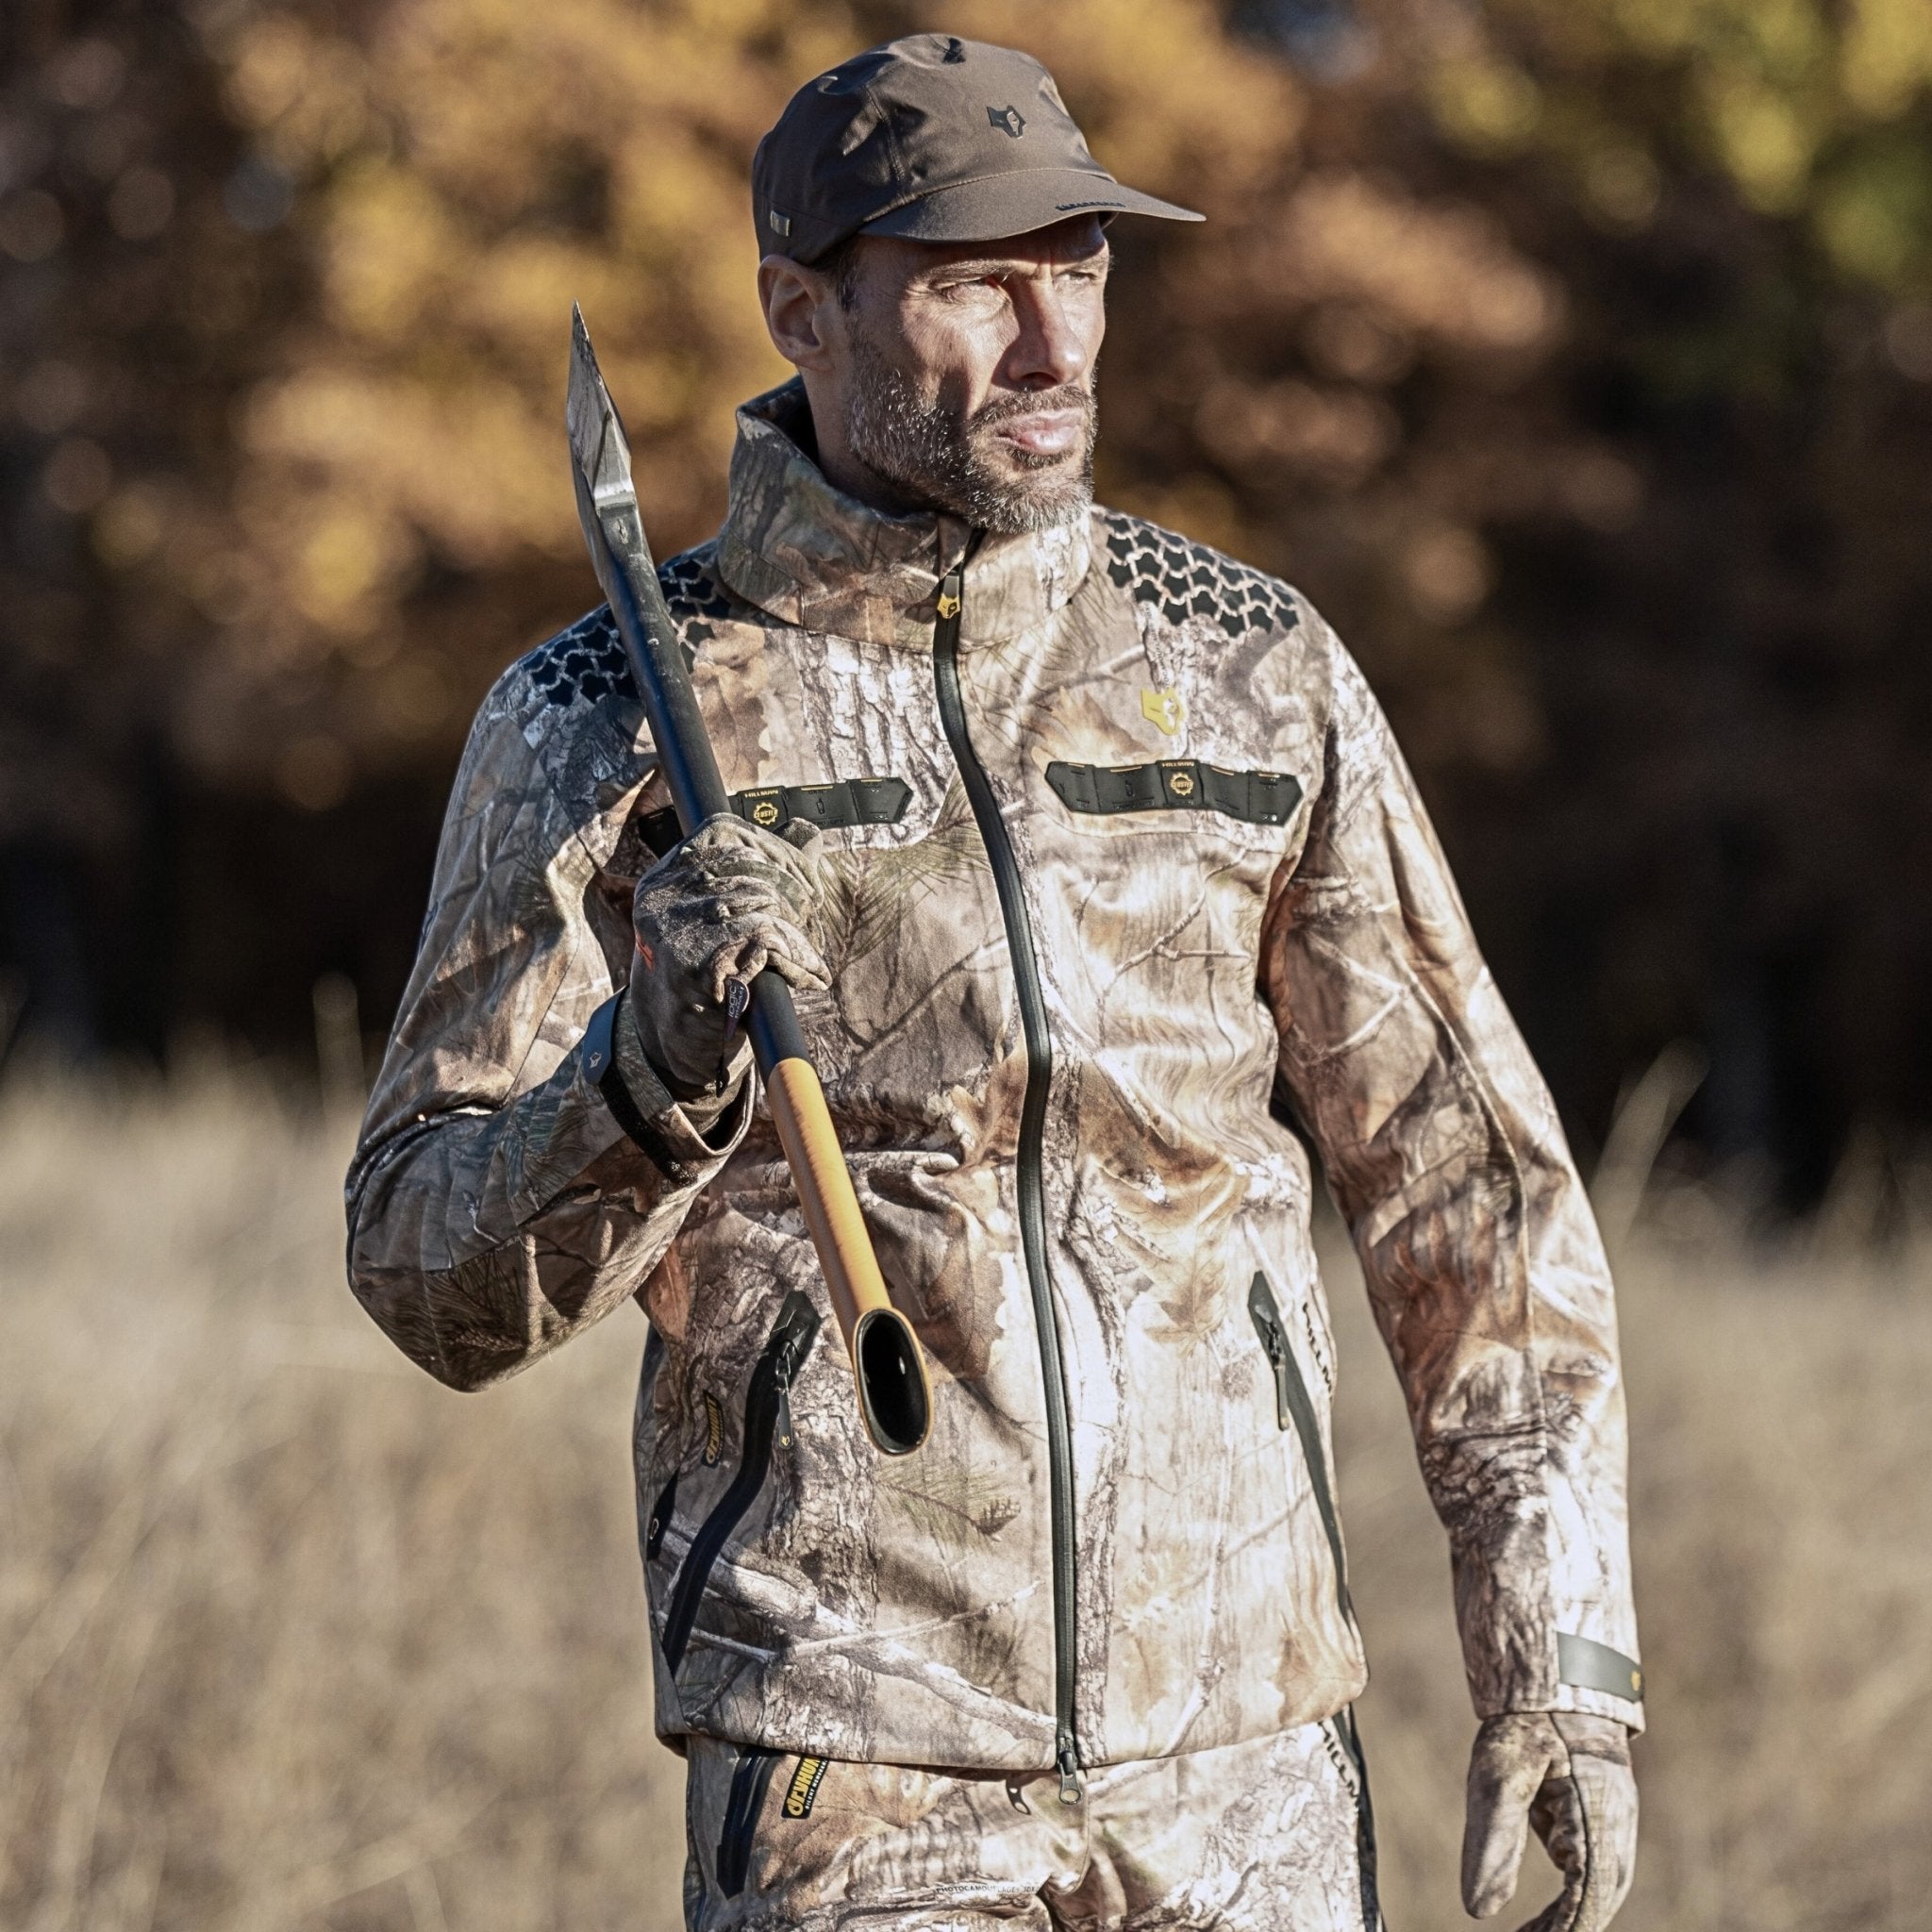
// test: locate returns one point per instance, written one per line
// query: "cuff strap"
(600, 1066)
(1593, 1666)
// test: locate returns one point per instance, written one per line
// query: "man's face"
(959, 376)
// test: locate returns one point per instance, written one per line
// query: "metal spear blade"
(597, 441)
(613, 529)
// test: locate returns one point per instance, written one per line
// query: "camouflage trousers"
(1273, 1835)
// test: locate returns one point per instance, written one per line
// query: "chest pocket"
(1255, 798)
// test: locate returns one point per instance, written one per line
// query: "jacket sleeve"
(495, 1206)
(1483, 1262)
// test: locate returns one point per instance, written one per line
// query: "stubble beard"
(928, 456)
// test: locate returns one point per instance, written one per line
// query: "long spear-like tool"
(893, 1394)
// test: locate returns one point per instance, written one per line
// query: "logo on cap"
(1007, 120)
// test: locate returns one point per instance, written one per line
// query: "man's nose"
(1051, 347)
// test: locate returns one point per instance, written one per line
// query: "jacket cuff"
(1542, 1581)
(687, 1142)
(1594, 1677)
(1588, 1677)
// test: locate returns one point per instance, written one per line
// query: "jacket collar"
(811, 555)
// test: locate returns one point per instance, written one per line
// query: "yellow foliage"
(388, 248)
(1446, 273)
(510, 161)
(271, 62)
(1487, 104)
(1888, 55)
(340, 564)
(469, 168)
(1785, 96)
(1165, 96)
(308, 93)
(1760, 136)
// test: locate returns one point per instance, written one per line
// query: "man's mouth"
(1044, 433)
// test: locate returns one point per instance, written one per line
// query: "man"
(1091, 861)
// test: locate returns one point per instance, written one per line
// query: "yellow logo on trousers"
(804, 1786)
(1164, 709)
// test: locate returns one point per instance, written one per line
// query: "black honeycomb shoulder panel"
(1182, 579)
(586, 661)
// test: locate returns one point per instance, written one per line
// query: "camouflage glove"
(709, 917)
(1569, 1775)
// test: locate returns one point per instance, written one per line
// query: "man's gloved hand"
(1569, 1775)
(709, 917)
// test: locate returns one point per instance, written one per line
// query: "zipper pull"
(1277, 1354)
(785, 1364)
(1273, 1345)
(1072, 1790)
(785, 1349)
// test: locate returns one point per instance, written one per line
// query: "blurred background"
(1576, 356)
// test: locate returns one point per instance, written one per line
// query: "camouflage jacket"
(1138, 844)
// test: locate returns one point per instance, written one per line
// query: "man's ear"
(797, 302)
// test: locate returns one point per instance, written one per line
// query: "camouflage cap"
(933, 137)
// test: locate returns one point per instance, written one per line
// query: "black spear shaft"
(895, 1397)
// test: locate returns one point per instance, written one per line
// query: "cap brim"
(996, 207)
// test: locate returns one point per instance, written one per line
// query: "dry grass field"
(289, 1637)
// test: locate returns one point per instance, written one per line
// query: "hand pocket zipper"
(1291, 1404)
(767, 1416)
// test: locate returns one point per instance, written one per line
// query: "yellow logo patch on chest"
(1163, 708)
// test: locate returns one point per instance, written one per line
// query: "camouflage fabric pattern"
(1196, 965)
(1251, 1837)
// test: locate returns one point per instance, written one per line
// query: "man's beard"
(930, 457)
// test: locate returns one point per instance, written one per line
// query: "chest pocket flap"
(844, 802)
(1257, 798)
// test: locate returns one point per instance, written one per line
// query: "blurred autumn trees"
(1576, 354)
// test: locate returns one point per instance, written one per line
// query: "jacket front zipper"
(767, 1413)
(1059, 1449)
